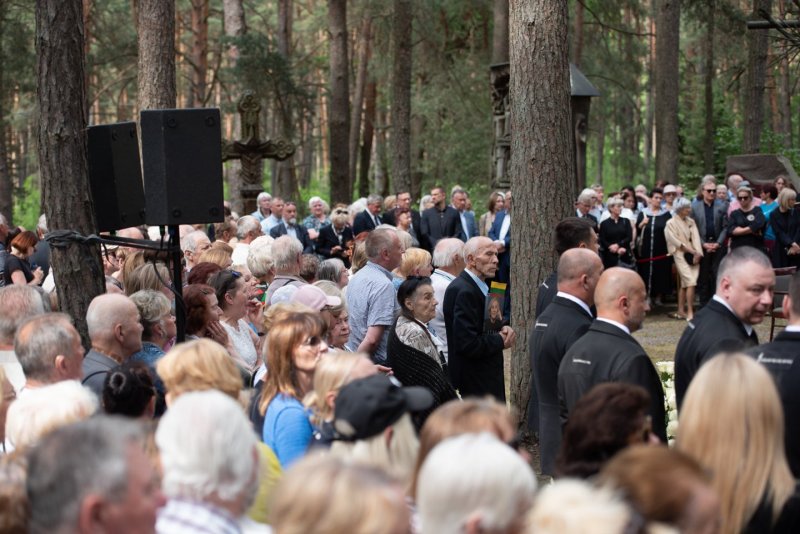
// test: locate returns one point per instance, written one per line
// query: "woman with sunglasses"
(334, 239)
(414, 352)
(294, 347)
(231, 294)
(747, 224)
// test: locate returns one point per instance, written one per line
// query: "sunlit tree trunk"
(401, 95)
(339, 117)
(667, 78)
(757, 51)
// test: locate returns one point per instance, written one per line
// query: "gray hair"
(738, 257)
(374, 199)
(330, 269)
(614, 202)
(285, 251)
(72, 462)
(457, 191)
(152, 306)
(245, 225)
(332, 290)
(189, 241)
(3, 220)
(312, 200)
(17, 304)
(708, 179)
(587, 196)
(208, 448)
(104, 313)
(262, 195)
(681, 203)
(259, 257)
(446, 251)
(473, 245)
(42, 223)
(499, 487)
(39, 340)
(378, 240)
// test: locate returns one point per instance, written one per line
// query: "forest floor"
(659, 336)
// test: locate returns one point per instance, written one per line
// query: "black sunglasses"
(744, 198)
(711, 190)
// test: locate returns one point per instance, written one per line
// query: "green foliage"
(27, 204)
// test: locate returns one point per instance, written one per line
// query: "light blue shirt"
(291, 230)
(372, 301)
(269, 223)
(481, 284)
(464, 225)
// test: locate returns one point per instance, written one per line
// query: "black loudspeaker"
(182, 154)
(115, 176)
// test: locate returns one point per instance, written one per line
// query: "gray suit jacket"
(96, 367)
(720, 219)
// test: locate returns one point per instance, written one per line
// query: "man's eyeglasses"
(744, 198)
(710, 190)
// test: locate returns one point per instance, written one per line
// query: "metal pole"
(177, 282)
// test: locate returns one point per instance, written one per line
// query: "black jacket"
(327, 240)
(714, 329)
(475, 358)
(782, 358)
(755, 220)
(555, 331)
(436, 225)
(416, 222)
(363, 222)
(302, 236)
(607, 354)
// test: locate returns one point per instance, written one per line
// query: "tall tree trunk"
(61, 97)
(649, 126)
(785, 88)
(339, 125)
(708, 82)
(381, 173)
(401, 95)
(358, 94)
(577, 53)
(601, 148)
(366, 146)
(156, 54)
(199, 52)
(6, 182)
(757, 50)
(542, 155)
(235, 26)
(500, 32)
(284, 177)
(667, 76)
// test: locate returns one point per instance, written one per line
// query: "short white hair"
(285, 251)
(446, 251)
(245, 225)
(208, 448)
(576, 507)
(42, 223)
(259, 256)
(190, 241)
(358, 206)
(313, 200)
(498, 486)
(262, 195)
(105, 312)
(41, 410)
(473, 245)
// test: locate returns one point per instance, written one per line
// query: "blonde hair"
(359, 259)
(731, 422)
(396, 457)
(217, 255)
(461, 417)
(199, 365)
(321, 489)
(146, 276)
(333, 371)
(130, 261)
(414, 258)
(786, 198)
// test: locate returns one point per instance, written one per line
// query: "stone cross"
(250, 150)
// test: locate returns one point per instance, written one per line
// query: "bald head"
(113, 323)
(621, 296)
(579, 270)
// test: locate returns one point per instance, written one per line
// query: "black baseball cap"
(368, 406)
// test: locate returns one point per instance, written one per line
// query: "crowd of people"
(344, 373)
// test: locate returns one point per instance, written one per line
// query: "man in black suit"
(608, 352)
(586, 203)
(289, 226)
(440, 221)
(334, 238)
(711, 216)
(782, 358)
(368, 220)
(572, 232)
(555, 331)
(404, 202)
(744, 295)
(475, 357)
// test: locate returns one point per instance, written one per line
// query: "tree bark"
(61, 97)
(500, 32)
(235, 26)
(6, 182)
(369, 133)
(708, 82)
(649, 129)
(667, 77)
(199, 52)
(401, 95)
(757, 49)
(577, 53)
(339, 109)
(358, 95)
(542, 164)
(785, 88)
(284, 179)
(156, 54)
